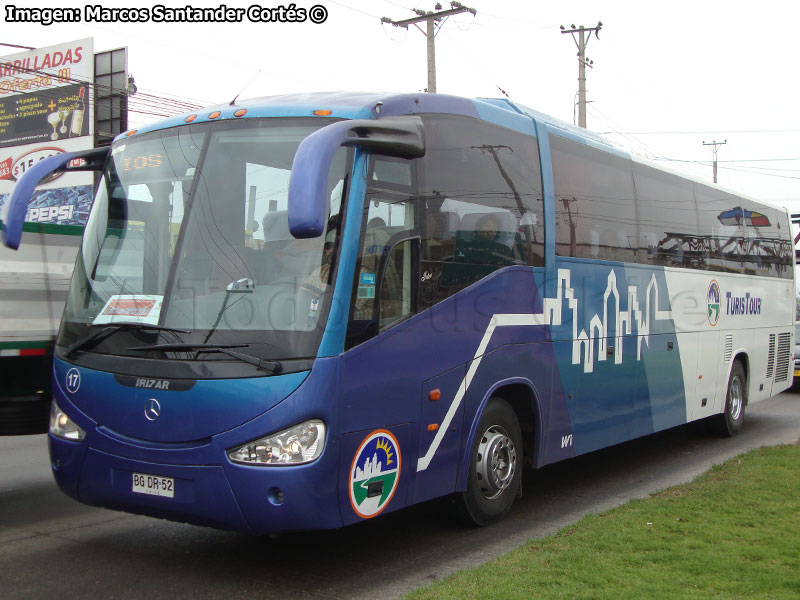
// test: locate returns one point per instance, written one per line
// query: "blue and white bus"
(300, 312)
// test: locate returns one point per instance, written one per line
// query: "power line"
(727, 168)
(705, 132)
(353, 9)
(143, 97)
(17, 46)
(758, 160)
(477, 66)
(141, 103)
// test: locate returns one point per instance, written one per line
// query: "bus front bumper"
(248, 499)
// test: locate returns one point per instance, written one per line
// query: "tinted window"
(481, 193)
(743, 237)
(721, 221)
(609, 207)
(594, 202)
(668, 233)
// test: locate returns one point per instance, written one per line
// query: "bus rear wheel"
(730, 422)
(495, 466)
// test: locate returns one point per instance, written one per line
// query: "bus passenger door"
(440, 433)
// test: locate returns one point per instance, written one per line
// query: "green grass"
(732, 533)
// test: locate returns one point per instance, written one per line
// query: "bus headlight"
(297, 445)
(64, 427)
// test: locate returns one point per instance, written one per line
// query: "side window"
(594, 202)
(481, 193)
(668, 232)
(743, 238)
(383, 290)
(721, 221)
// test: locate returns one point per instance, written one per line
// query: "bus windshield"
(189, 231)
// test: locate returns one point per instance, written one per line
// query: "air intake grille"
(771, 356)
(728, 348)
(784, 356)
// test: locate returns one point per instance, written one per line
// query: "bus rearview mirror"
(400, 137)
(14, 217)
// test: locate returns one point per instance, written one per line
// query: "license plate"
(154, 485)
(797, 372)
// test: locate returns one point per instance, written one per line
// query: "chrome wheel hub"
(497, 462)
(735, 399)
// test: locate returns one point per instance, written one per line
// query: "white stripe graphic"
(582, 342)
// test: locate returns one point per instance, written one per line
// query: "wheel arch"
(742, 358)
(521, 395)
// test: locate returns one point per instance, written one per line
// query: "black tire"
(730, 422)
(495, 466)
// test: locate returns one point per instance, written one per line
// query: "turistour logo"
(712, 302)
(374, 473)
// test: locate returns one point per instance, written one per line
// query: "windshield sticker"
(130, 308)
(366, 291)
(374, 473)
(366, 285)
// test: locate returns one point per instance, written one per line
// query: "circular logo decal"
(374, 473)
(712, 302)
(73, 380)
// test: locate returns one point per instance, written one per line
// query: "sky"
(666, 77)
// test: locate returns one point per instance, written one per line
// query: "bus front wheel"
(730, 422)
(495, 466)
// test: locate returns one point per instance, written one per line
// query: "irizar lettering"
(157, 384)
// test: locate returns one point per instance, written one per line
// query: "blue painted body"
(382, 383)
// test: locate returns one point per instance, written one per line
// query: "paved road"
(51, 546)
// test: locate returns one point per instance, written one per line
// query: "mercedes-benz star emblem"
(152, 409)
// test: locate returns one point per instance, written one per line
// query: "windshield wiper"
(97, 336)
(273, 367)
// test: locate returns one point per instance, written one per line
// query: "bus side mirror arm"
(401, 137)
(14, 218)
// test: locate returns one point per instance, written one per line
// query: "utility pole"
(714, 149)
(431, 18)
(581, 42)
